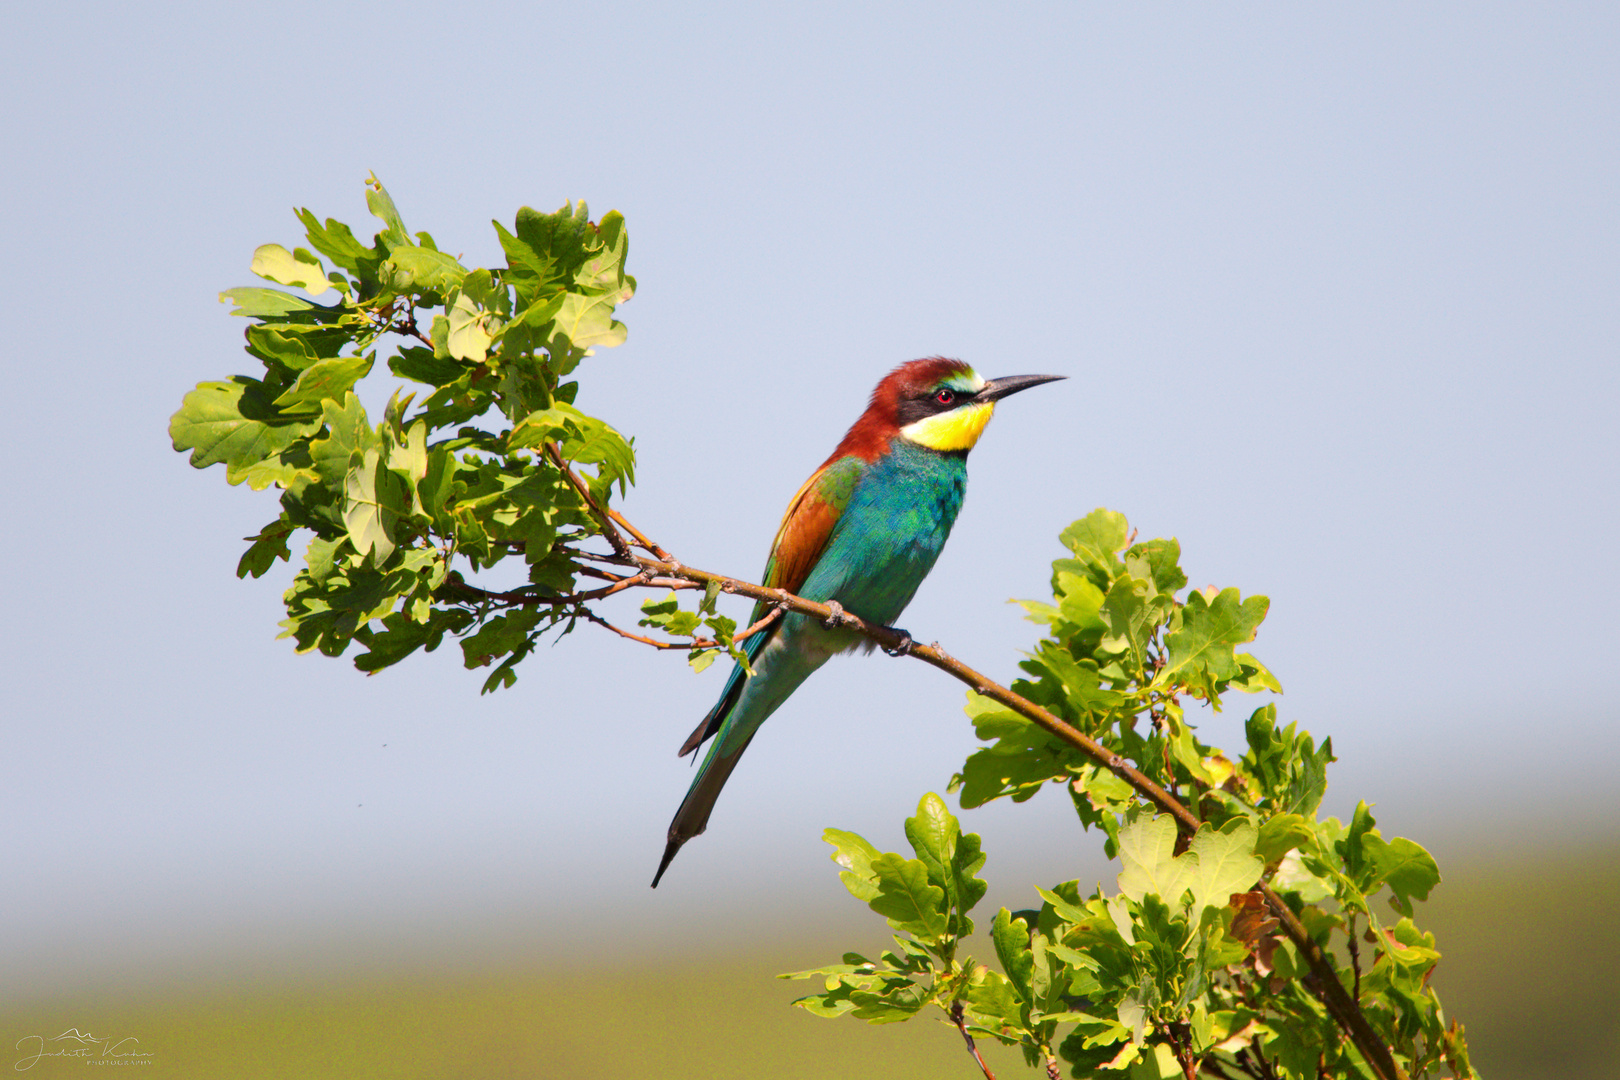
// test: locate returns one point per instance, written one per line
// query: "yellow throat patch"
(958, 429)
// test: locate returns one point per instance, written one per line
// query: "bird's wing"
(809, 521)
(799, 542)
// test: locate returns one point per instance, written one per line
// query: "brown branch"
(1181, 1046)
(1266, 1070)
(1355, 956)
(765, 620)
(600, 575)
(640, 539)
(1325, 979)
(695, 643)
(897, 641)
(960, 1020)
(655, 643)
(1344, 1009)
(523, 598)
(620, 548)
(409, 327)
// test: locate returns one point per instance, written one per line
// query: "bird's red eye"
(945, 397)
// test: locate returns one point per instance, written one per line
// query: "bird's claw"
(904, 648)
(836, 619)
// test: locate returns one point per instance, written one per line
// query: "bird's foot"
(836, 619)
(904, 648)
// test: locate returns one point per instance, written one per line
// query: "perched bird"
(861, 533)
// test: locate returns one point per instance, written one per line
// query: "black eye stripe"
(926, 405)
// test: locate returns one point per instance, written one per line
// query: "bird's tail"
(710, 724)
(744, 705)
(693, 816)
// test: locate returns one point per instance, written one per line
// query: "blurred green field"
(1529, 938)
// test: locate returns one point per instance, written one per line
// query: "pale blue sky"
(1335, 289)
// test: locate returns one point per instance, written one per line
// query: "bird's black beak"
(996, 389)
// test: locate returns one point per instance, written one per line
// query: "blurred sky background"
(1336, 290)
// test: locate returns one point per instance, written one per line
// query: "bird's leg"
(836, 619)
(904, 648)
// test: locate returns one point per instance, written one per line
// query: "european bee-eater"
(862, 532)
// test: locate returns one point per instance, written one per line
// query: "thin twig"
(599, 621)
(597, 556)
(409, 327)
(620, 548)
(765, 620)
(1181, 1045)
(1355, 956)
(525, 598)
(639, 537)
(1266, 1071)
(960, 1020)
(600, 575)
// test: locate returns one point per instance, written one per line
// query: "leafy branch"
(1217, 953)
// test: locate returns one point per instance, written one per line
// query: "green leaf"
(267, 303)
(1075, 959)
(382, 206)
(1224, 863)
(855, 855)
(1097, 537)
(279, 348)
(1280, 835)
(469, 336)
(269, 545)
(702, 658)
(584, 439)
(1159, 561)
(992, 997)
(1011, 939)
(1147, 854)
(522, 260)
(338, 243)
(234, 423)
(906, 898)
(410, 268)
(965, 865)
(369, 513)
(1129, 611)
(933, 834)
(418, 363)
(900, 999)
(1293, 876)
(1064, 909)
(323, 381)
(538, 314)
(587, 321)
(1254, 676)
(1293, 1048)
(401, 636)
(300, 268)
(1079, 601)
(1210, 626)
(1217, 863)
(1405, 866)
